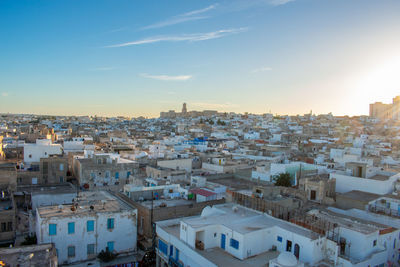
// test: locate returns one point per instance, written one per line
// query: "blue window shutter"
(234, 243)
(90, 226)
(162, 247)
(71, 227)
(128, 174)
(117, 175)
(110, 223)
(52, 229)
(279, 238)
(171, 250)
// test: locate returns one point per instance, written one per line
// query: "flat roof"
(348, 222)
(47, 189)
(239, 219)
(359, 195)
(379, 177)
(168, 202)
(101, 201)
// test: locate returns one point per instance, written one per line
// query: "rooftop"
(359, 196)
(237, 218)
(35, 255)
(348, 222)
(90, 201)
(47, 189)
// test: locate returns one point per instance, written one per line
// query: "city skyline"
(138, 59)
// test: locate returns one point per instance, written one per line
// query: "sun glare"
(380, 84)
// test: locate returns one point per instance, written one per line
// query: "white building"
(230, 235)
(96, 221)
(42, 149)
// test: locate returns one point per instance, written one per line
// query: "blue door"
(223, 237)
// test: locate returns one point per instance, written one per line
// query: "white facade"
(241, 232)
(347, 183)
(42, 149)
(83, 241)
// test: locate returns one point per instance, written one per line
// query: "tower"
(184, 109)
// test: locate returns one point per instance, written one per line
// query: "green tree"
(29, 240)
(283, 179)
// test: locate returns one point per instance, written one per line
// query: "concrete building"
(380, 111)
(319, 189)
(383, 111)
(42, 149)
(34, 255)
(230, 235)
(7, 204)
(103, 170)
(54, 170)
(95, 221)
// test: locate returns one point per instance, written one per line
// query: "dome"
(287, 259)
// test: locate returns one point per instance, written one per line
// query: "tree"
(29, 240)
(106, 256)
(283, 179)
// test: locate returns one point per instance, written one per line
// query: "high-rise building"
(383, 111)
(396, 108)
(380, 111)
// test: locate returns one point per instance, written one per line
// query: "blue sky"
(141, 57)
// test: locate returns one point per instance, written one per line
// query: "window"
(171, 250)
(110, 223)
(90, 226)
(52, 229)
(90, 249)
(128, 174)
(71, 251)
(234, 243)
(61, 166)
(92, 175)
(30, 156)
(279, 238)
(61, 179)
(34, 180)
(107, 174)
(71, 228)
(110, 246)
(162, 247)
(374, 243)
(117, 175)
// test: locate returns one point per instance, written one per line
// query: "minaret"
(184, 109)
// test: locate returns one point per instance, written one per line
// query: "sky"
(137, 58)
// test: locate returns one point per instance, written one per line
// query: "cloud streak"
(280, 2)
(195, 37)
(189, 16)
(167, 77)
(4, 94)
(262, 69)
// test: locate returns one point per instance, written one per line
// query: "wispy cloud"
(195, 37)
(205, 105)
(167, 77)
(262, 69)
(280, 2)
(4, 94)
(189, 16)
(102, 69)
